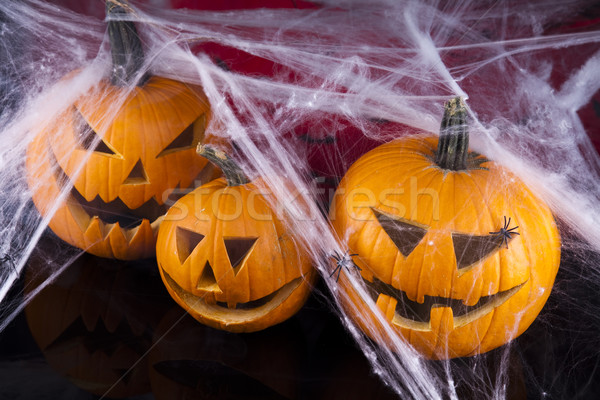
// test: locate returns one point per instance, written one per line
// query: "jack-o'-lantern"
(123, 163)
(228, 259)
(459, 255)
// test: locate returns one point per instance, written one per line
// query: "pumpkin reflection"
(93, 323)
(193, 361)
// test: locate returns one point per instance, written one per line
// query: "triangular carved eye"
(405, 235)
(469, 249)
(186, 242)
(207, 281)
(188, 139)
(87, 138)
(237, 250)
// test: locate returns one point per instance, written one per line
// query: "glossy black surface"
(109, 328)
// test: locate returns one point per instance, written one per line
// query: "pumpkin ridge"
(248, 277)
(390, 156)
(492, 316)
(434, 174)
(360, 233)
(157, 113)
(216, 231)
(434, 177)
(474, 183)
(160, 111)
(533, 278)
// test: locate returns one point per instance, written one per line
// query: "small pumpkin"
(146, 149)
(226, 257)
(458, 253)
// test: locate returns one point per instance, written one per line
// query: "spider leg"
(512, 229)
(336, 269)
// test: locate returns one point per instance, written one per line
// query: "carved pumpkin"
(227, 259)
(458, 254)
(132, 159)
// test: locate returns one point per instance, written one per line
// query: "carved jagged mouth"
(416, 316)
(239, 312)
(116, 211)
(100, 338)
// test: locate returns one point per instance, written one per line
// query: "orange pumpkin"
(226, 257)
(458, 254)
(130, 158)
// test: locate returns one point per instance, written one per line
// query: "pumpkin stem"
(453, 145)
(231, 170)
(125, 44)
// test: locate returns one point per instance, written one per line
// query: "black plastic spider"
(505, 232)
(7, 258)
(343, 261)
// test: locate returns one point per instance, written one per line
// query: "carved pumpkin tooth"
(96, 230)
(471, 300)
(442, 321)
(116, 233)
(82, 218)
(209, 298)
(143, 233)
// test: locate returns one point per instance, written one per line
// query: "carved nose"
(138, 175)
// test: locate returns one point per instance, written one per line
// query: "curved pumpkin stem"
(231, 171)
(125, 45)
(453, 145)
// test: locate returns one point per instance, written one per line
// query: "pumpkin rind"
(472, 201)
